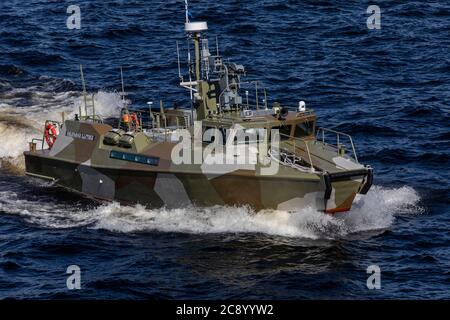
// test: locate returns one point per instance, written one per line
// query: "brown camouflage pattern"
(85, 166)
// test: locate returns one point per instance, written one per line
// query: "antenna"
(190, 79)
(179, 67)
(265, 98)
(186, 9)
(123, 87)
(123, 90)
(193, 31)
(217, 45)
(93, 106)
(246, 93)
(84, 90)
(257, 98)
(189, 65)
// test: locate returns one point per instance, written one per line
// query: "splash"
(23, 112)
(107, 104)
(15, 133)
(375, 211)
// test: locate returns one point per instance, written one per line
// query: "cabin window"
(152, 161)
(285, 132)
(250, 136)
(304, 129)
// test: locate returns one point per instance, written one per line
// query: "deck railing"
(297, 143)
(162, 124)
(321, 136)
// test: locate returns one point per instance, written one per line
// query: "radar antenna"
(179, 66)
(84, 91)
(123, 90)
(186, 9)
(217, 45)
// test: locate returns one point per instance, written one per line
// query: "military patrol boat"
(172, 161)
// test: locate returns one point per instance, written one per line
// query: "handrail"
(33, 141)
(59, 124)
(162, 118)
(232, 120)
(338, 134)
(239, 84)
(294, 139)
(94, 118)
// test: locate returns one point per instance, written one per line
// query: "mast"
(197, 55)
(123, 90)
(216, 85)
(217, 46)
(193, 32)
(179, 65)
(186, 9)
(84, 91)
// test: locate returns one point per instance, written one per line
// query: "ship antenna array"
(123, 89)
(193, 31)
(217, 45)
(189, 65)
(179, 66)
(186, 9)
(191, 94)
(83, 83)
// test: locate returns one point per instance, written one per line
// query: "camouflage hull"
(175, 190)
(81, 162)
(238, 154)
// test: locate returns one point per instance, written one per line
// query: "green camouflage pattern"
(142, 167)
(81, 162)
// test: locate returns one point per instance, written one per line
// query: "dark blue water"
(389, 88)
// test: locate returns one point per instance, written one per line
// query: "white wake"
(20, 124)
(375, 211)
